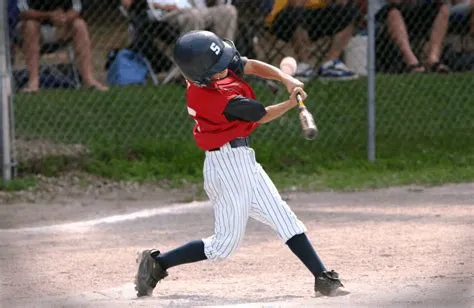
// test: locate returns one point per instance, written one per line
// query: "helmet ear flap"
(206, 81)
(231, 43)
(203, 82)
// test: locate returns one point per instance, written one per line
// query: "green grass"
(18, 184)
(424, 133)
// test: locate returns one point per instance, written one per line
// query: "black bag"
(51, 76)
(458, 61)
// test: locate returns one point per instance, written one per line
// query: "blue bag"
(127, 68)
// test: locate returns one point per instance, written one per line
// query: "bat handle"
(299, 99)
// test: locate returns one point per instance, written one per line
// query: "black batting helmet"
(201, 54)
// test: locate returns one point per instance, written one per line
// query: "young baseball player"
(226, 112)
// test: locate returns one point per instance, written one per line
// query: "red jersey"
(206, 105)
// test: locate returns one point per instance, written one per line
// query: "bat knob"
(310, 134)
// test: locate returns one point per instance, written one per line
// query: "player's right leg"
(153, 265)
(225, 182)
(149, 272)
(270, 208)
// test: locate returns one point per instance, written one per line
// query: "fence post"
(371, 81)
(5, 95)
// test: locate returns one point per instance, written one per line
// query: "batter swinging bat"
(310, 131)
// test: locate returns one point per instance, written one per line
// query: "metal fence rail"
(5, 97)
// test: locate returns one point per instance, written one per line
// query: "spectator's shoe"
(415, 68)
(149, 272)
(336, 70)
(439, 67)
(328, 284)
(304, 71)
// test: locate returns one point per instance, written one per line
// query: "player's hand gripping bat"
(310, 130)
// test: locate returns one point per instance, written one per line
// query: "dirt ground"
(398, 247)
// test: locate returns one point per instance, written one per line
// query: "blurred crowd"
(401, 26)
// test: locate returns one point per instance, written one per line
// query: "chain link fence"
(125, 46)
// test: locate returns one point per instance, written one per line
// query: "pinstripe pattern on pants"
(239, 188)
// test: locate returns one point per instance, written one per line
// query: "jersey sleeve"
(245, 109)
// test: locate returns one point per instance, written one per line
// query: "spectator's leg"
(398, 33)
(287, 27)
(438, 33)
(222, 19)
(82, 46)
(31, 47)
(337, 21)
(339, 43)
(301, 41)
(472, 18)
(186, 20)
(249, 26)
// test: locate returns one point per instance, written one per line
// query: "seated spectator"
(405, 20)
(220, 18)
(462, 17)
(13, 15)
(304, 21)
(252, 14)
(146, 30)
(53, 21)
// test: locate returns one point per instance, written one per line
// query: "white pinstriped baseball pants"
(239, 188)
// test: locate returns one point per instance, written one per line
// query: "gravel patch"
(26, 150)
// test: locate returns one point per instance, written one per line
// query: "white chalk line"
(82, 225)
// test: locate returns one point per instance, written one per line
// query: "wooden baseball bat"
(310, 130)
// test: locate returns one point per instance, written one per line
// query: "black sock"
(188, 253)
(303, 249)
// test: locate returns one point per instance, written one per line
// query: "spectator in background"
(187, 15)
(407, 19)
(52, 21)
(461, 15)
(252, 14)
(471, 16)
(146, 30)
(13, 15)
(303, 21)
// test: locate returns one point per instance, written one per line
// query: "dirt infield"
(398, 247)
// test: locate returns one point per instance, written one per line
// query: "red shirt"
(206, 106)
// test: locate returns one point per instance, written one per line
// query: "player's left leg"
(269, 207)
